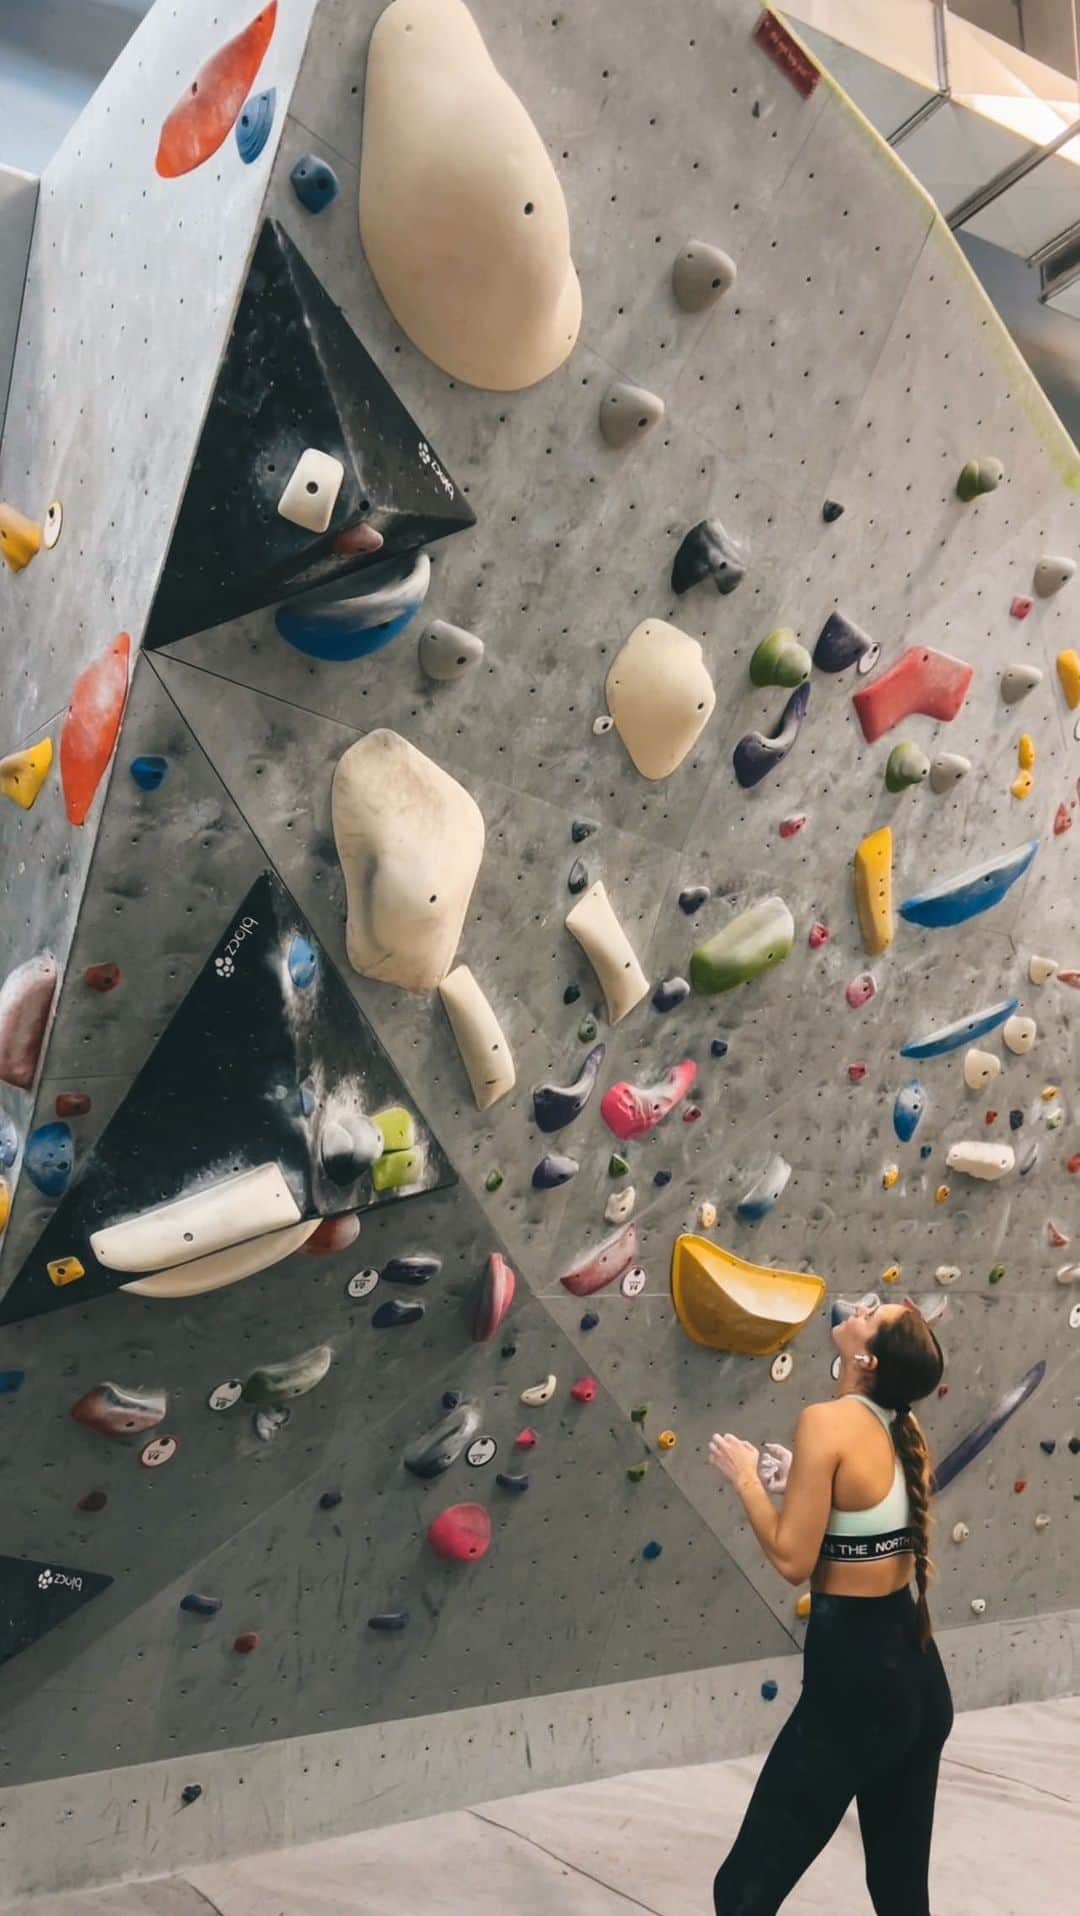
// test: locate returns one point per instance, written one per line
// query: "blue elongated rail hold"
(50, 1158)
(557, 1104)
(765, 1191)
(148, 771)
(969, 1447)
(759, 752)
(393, 1314)
(952, 900)
(417, 1269)
(509, 1480)
(389, 1620)
(253, 124)
(337, 629)
(301, 961)
(199, 1605)
(961, 1031)
(314, 182)
(908, 1108)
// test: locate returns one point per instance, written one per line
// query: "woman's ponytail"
(915, 1458)
(909, 1366)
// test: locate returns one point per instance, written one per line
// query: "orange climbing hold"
(202, 120)
(91, 725)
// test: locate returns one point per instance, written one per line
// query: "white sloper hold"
(701, 275)
(1017, 681)
(447, 651)
(462, 216)
(1040, 969)
(1051, 574)
(481, 1040)
(660, 696)
(1019, 1033)
(980, 1068)
(593, 923)
(243, 1206)
(410, 840)
(979, 1160)
(628, 413)
(219, 1269)
(946, 770)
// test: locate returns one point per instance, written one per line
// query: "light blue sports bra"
(883, 1530)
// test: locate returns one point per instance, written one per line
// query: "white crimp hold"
(980, 1068)
(483, 1045)
(706, 1216)
(960, 1533)
(1068, 1274)
(947, 1273)
(979, 1160)
(620, 1205)
(540, 1393)
(311, 490)
(593, 923)
(1040, 969)
(1019, 1033)
(1042, 1521)
(978, 1604)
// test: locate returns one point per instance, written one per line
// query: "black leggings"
(874, 1713)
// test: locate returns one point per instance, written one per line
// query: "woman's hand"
(774, 1468)
(734, 1459)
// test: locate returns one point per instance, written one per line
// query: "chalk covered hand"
(733, 1458)
(774, 1468)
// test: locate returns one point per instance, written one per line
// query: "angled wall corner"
(18, 203)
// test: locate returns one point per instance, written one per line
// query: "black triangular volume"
(262, 1107)
(35, 1597)
(294, 376)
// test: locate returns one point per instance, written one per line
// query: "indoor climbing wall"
(582, 869)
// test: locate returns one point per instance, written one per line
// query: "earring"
(860, 1359)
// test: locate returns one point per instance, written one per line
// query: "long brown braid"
(909, 1366)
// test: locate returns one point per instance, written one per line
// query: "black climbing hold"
(669, 993)
(708, 552)
(590, 1320)
(719, 1047)
(769, 1689)
(926, 1150)
(831, 510)
(415, 1270)
(199, 1605)
(508, 1350)
(553, 1170)
(651, 1551)
(1048, 1444)
(191, 1793)
(1074, 1445)
(393, 1314)
(506, 1480)
(330, 1500)
(294, 375)
(583, 828)
(841, 643)
(571, 994)
(639, 1413)
(692, 897)
(577, 877)
(388, 1620)
(661, 1178)
(348, 1145)
(451, 1399)
(1016, 1119)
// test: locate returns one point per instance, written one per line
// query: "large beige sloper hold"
(245, 1205)
(609, 951)
(410, 840)
(462, 216)
(481, 1040)
(660, 696)
(978, 1160)
(222, 1268)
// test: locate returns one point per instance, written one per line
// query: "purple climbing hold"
(976, 1440)
(388, 1620)
(770, 1689)
(761, 752)
(671, 992)
(651, 1551)
(840, 644)
(200, 1606)
(508, 1480)
(393, 1313)
(555, 1105)
(330, 1500)
(92, 1500)
(417, 1269)
(693, 897)
(553, 1171)
(590, 1320)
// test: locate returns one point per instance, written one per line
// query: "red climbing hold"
(72, 1104)
(789, 826)
(496, 1297)
(462, 1533)
(1021, 607)
(856, 1072)
(25, 1002)
(525, 1439)
(246, 1642)
(991, 1117)
(1062, 821)
(819, 935)
(102, 977)
(333, 1234)
(931, 683)
(584, 1390)
(204, 117)
(90, 727)
(1073, 1165)
(1020, 1485)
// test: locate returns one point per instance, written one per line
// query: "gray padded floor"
(1007, 1843)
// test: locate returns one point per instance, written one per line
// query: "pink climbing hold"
(1021, 607)
(1062, 821)
(584, 1390)
(1068, 978)
(856, 1072)
(25, 1002)
(525, 1439)
(691, 1113)
(1055, 1236)
(462, 1533)
(496, 1297)
(629, 1110)
(91, 724)
(356, 539)
(102, 977)
(789, 826)
(861, 989)
(333, 1234)
(934, 684)
(603, 1265)
(819, 935)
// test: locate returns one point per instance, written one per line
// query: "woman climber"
(875, 1708)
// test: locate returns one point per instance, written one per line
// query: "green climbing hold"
(397, 1168)
(997, 1273)
(978, 476)
(758, 938)
(780, 659)
(586, 1030)
(397, 1127)
(636, 1472)
(493, 1180)
(908, 765)
(617, 1166)
(639, 1413)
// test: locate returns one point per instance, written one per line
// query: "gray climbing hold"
(672, 992)
(1051, 574)
(577, 878)
(583, 828)
(946, 770)
(447, 651)
(701, 275)
(708, 552)
(627, 413)
(436, 1449)
(1017, 681)
(268, 1422)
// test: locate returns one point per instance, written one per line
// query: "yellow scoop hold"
(22, 774)
(729, 1305)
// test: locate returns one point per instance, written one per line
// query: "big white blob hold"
(660, 695)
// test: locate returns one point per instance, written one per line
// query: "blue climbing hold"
(961, 1031)
(908, 1108)
(302, 961)
(11, 1381)
(393, 1314)
(9, 1142)
(661, 1178)
(323, 625)
(389, 1620)
(953, 900)
(253, 125)
(199, 1605)
(926, 1150)
(149, 771)
(770, 1689)
(314, 182)
(330, 1500)
(590, 1320)
(50, 1158)
(652, 1551)
(1048, 1444)
(1016, 1119)
(719, 1047)
(509, 1480)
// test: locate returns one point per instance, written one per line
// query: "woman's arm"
(791, 1536)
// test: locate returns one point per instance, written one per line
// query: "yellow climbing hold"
(1025, 752)
(726, 1304)
(873, 889)
(1021, 785)
(22, 774)
(1068, 671)
(943, 1194)
(889, 1176)
(802, 1605)
(20, 537)
(5, 1203)
(1049, 1092)
(64, 1270)
(891, 1275)
(667, 1440)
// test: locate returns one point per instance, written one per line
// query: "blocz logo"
(56, 1580)
(224, 965)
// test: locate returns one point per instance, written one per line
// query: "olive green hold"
(979, 476)
(586, 1030)
(908, 765)
(780, 659)
(636, 1472)
(759, 937)
(493, 1180)
(639, 1414)
(997, 1273)
(617, 1166)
